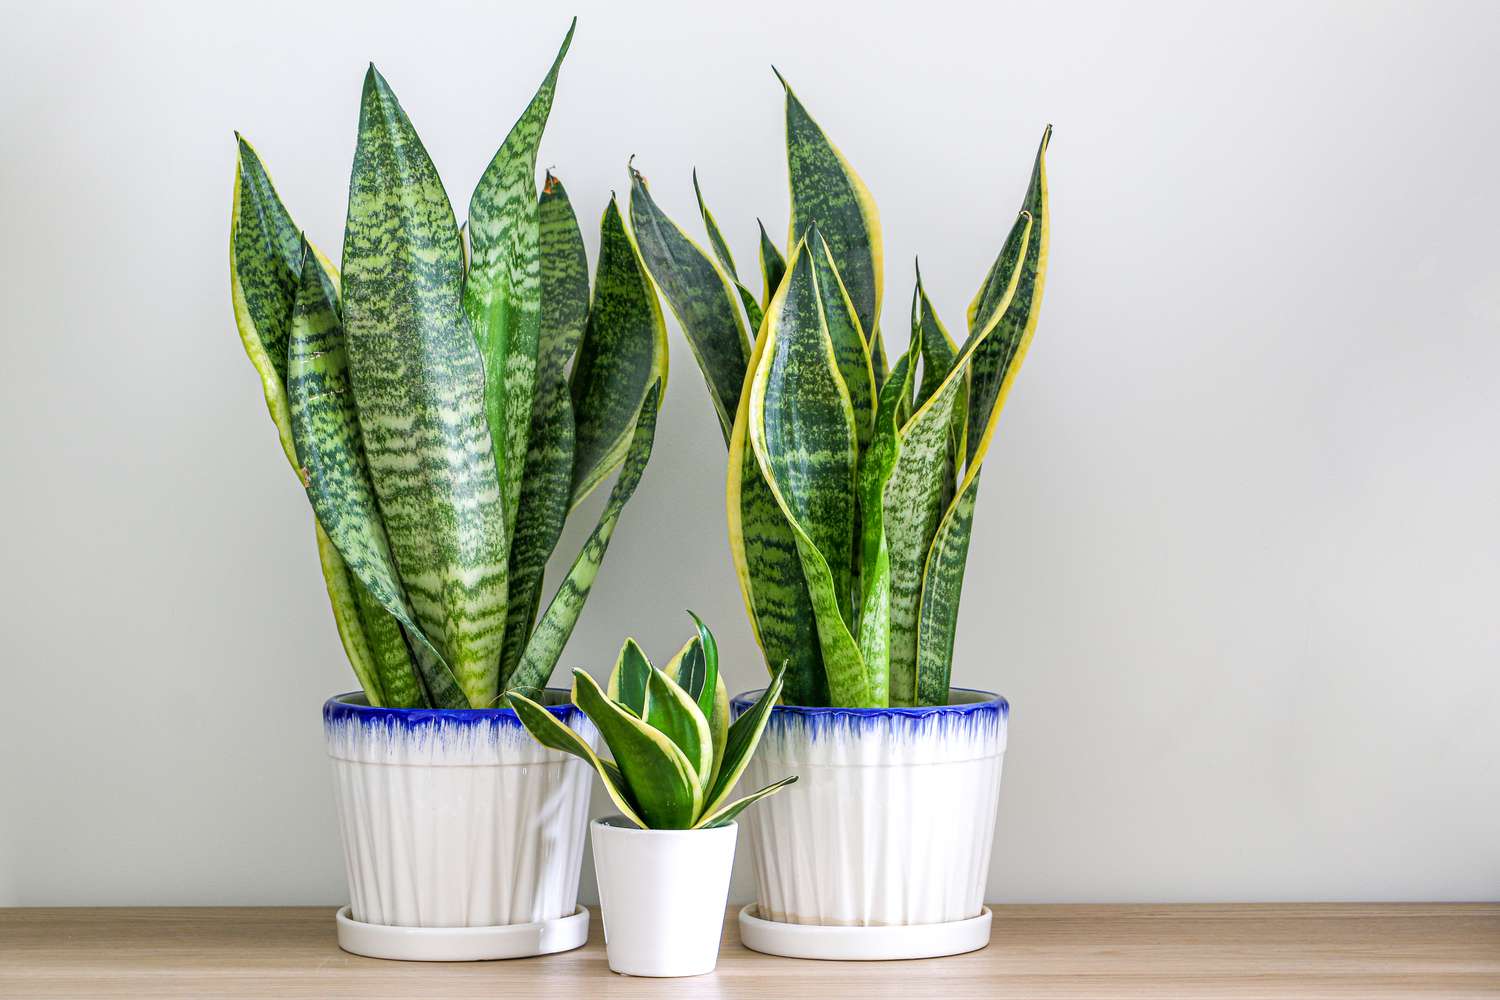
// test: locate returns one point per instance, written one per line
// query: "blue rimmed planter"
(890, 826)
(458, 819)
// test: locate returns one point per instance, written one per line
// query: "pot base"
(462, 944)
(863, 944)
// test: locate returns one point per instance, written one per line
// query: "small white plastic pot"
(463, 836)
(882, 848)
(662, 895)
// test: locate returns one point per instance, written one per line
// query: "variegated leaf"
(556, 624)
(502, 293)
(753, 312)
(803, 433)
(659, 777)
(671, 710)
(713, 699)
(624, 351)
(1012, 323)
(767, 565)
(726, 815)
(772, 265)
(744, 735)
(549, 731)
(419, 379)
(826, 190)
(849, 346)
(917, 496)
(699, 295)
(629, 680)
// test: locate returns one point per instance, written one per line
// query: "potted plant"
(425, 401)
(851, 493)
(664, 861)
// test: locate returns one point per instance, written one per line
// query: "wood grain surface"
(1259, 950)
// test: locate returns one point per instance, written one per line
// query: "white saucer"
(863, 944)
(462, 944)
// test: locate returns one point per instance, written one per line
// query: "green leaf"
(628, 680)
(1011, 322)
(547, 485)
(938, 348)
(713, 701)
(502, 294)
(419, 379)
(753, 313)
(670, 710)
(849, 346)
(549, 731)
(557, 623)
(264, 264)
(624, 351)
(265, 261)
(826, 190)
(703, 677)
(772, 265)
(727, 814)
(875, 467)
(803, 433)
(744, 736)
(767, 563)
(658, 776)
(400, 684)
(325, 430)
(564, 278)
(919, 493)
(542, 512)
(700, 297)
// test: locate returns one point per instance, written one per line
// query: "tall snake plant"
(425, 402)
(851, 481)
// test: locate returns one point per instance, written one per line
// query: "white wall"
(1237, 556)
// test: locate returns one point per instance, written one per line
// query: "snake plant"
(676, 755)
(851, 481)
(424, 399)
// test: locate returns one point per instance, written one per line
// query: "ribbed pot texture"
(456, 818)
(893, 817)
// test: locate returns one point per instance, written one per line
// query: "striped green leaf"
(699, 295)
(772, 265)
(564, 271)
(419, 379)
(660, 778)
(1011, 322)
(938, 348)
(753, 312)
(803, 432)
(826, 190)
(549, 731)
(265, 262)
(918, 495)
(767, 564)
(542, 512)
(744, 736)
(547, 484)
(726, 815)
(325, 430)
(624, 351)
(556, 624)
(849, 346)
(875, 467)
(264, 247)
(502, 294)
(629, 680)
(672, 711)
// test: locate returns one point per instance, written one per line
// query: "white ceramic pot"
(662, 895)
(891, 822)
(458, 818)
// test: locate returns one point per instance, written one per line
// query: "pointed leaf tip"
(781, 78)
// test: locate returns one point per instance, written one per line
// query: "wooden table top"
(1257, 950)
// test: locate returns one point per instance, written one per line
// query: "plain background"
(1237, 557)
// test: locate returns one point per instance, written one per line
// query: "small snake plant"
(851, 481)
(676, 755)
(424, 400)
